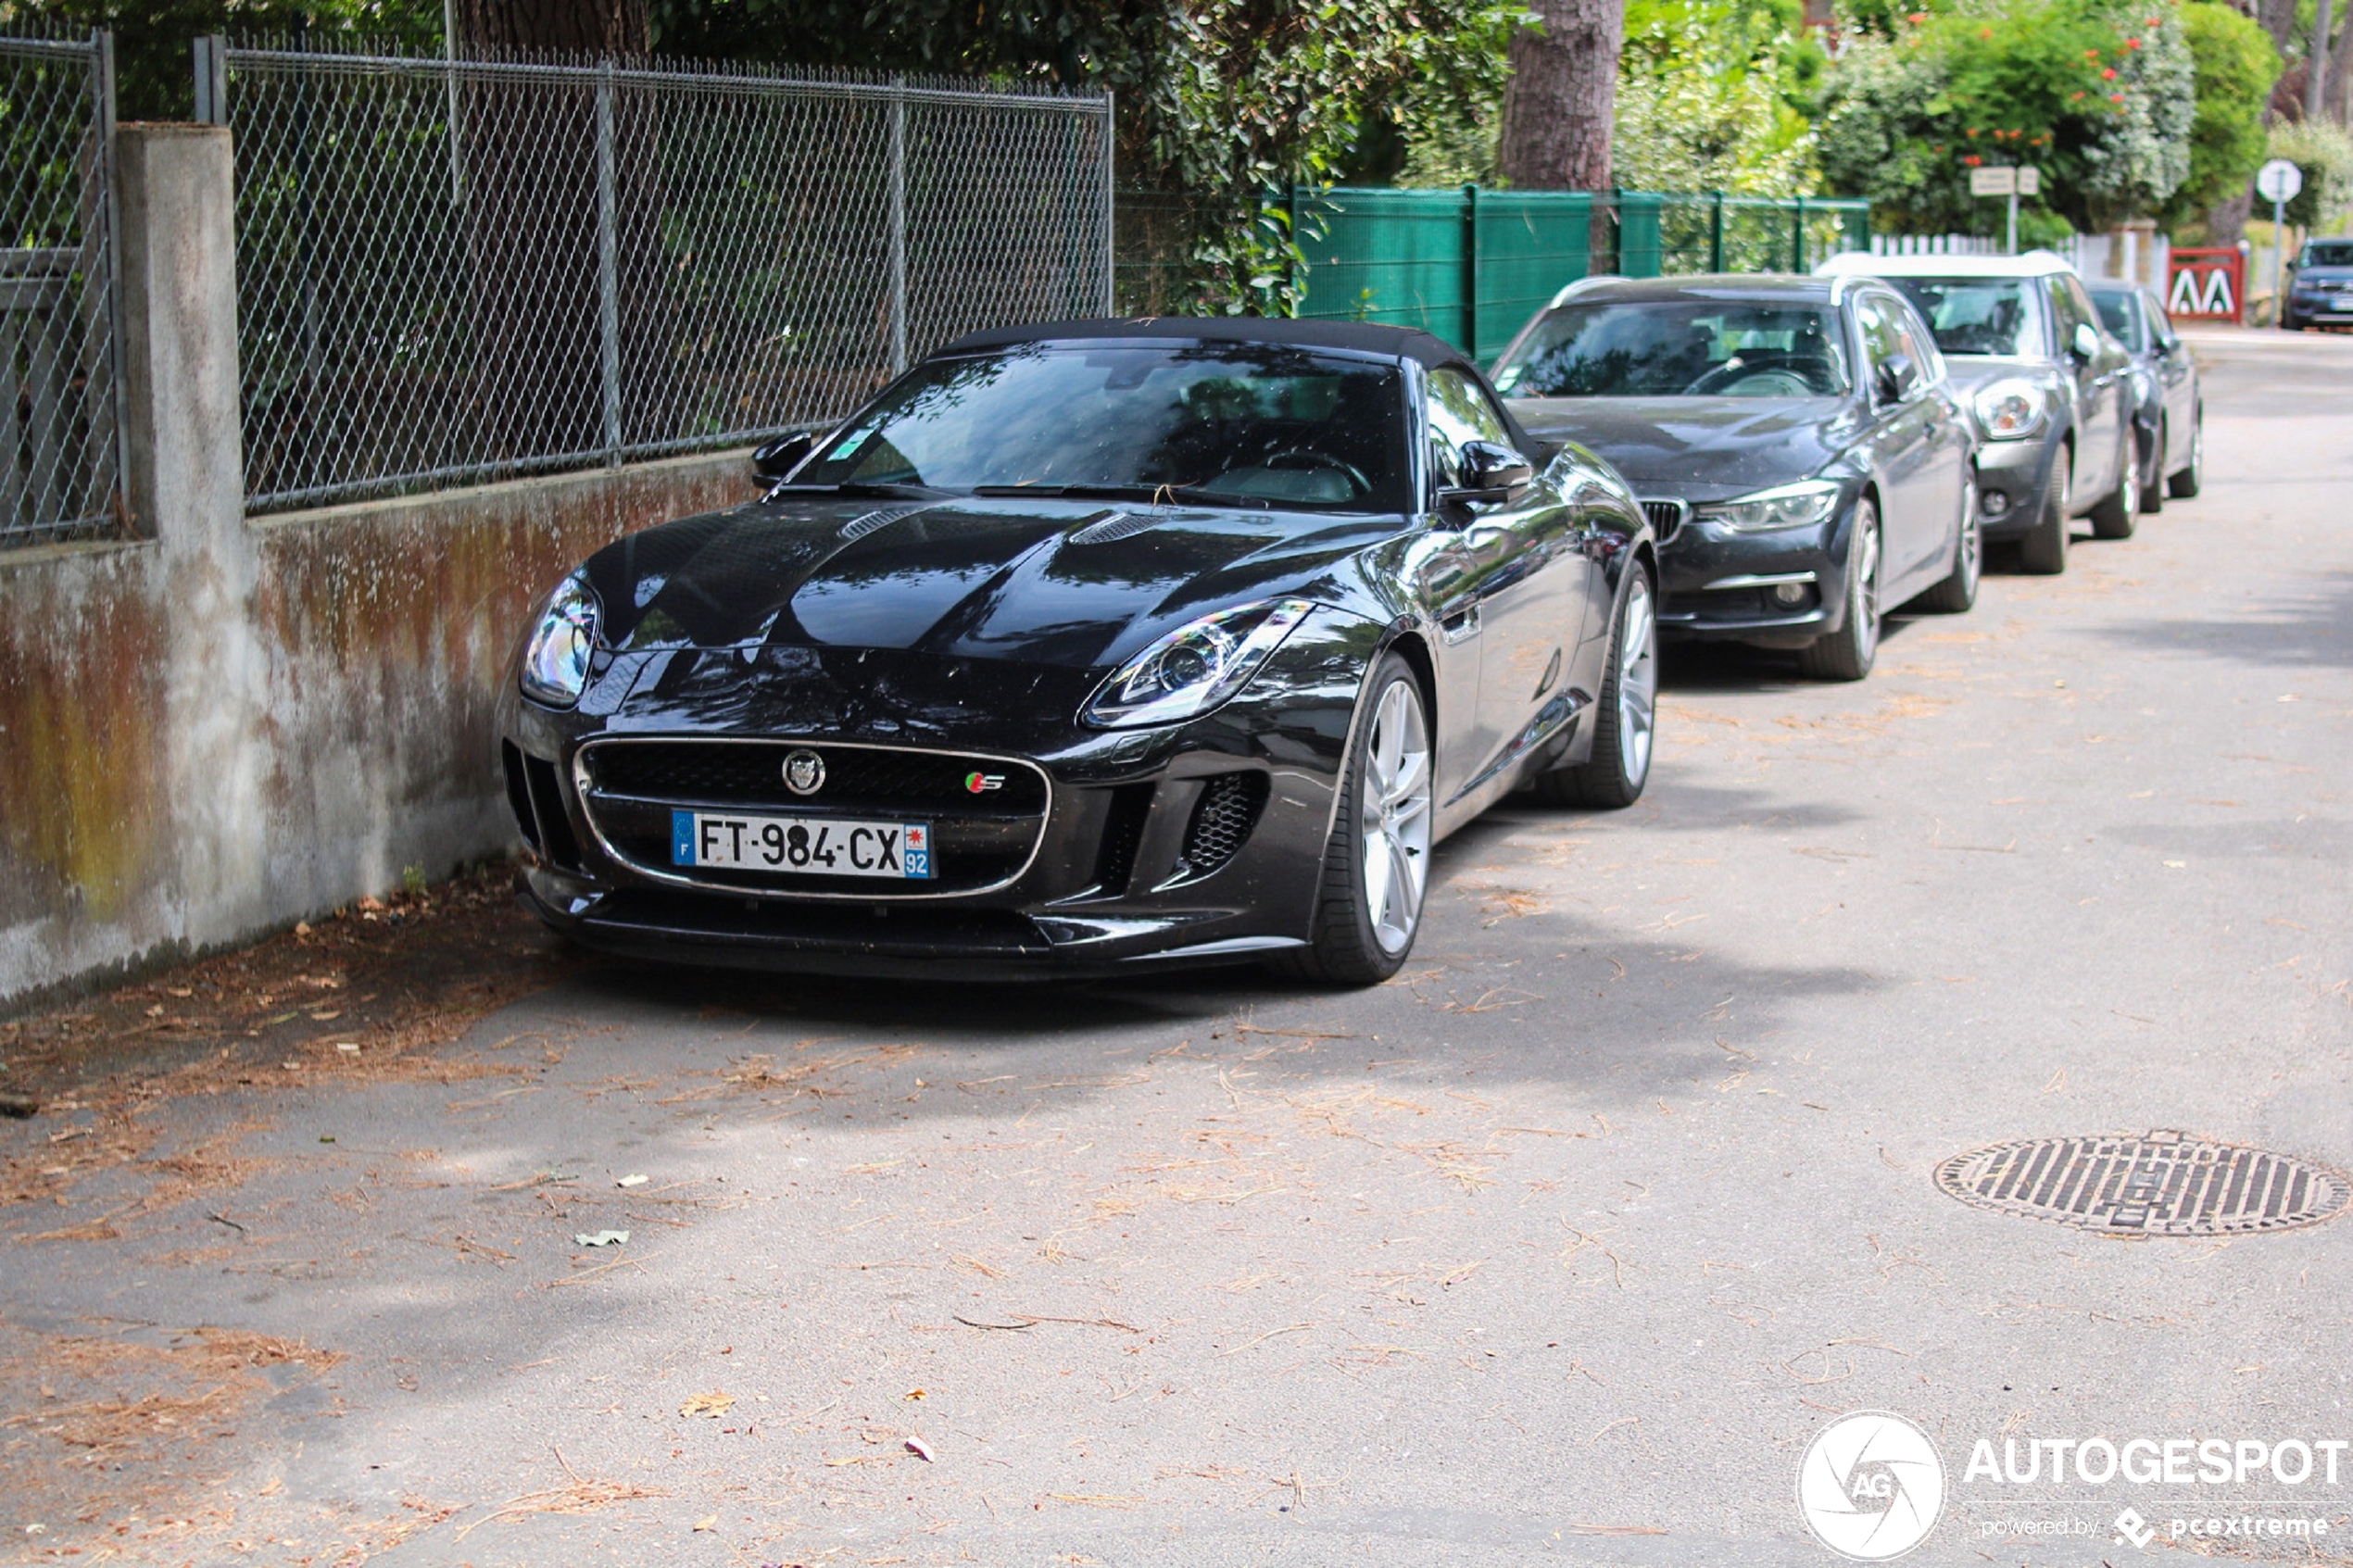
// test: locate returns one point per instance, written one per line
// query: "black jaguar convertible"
(1087, 647)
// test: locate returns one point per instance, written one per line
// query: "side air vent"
(1113, 526)
(556, 841)
(1130, 807)
(519, 794)
(858, 527)
(1229, 809)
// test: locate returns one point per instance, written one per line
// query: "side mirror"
(1896, 378)
(2086, 343)
(1491, 473)
(774, 463)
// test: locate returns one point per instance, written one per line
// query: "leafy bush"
(2325, 151)
(2098, 95)
(1709, 99)
(2235, 66)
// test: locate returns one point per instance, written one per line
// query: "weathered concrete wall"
(191, 752)
(233, 725)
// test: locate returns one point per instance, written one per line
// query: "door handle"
(1459, 627)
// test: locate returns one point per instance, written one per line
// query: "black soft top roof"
(1362, 337)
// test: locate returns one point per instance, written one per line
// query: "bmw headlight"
(1194, 668)
(2009, 411)
(1785, 505)
(555, 662)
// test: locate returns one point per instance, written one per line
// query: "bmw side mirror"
(773, 463)
(2086, 343)
(1492, 474)
(1896, 378)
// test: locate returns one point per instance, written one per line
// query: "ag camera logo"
(1871, 1486)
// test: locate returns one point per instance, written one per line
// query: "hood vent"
(858, 527)
(1113, 526)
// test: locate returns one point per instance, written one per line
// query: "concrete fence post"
(187, 481)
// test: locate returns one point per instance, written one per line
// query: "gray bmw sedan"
(1796, 442)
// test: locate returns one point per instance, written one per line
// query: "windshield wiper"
(1103, 492)
(868, 488)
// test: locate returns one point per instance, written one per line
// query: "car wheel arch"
(1410, 647)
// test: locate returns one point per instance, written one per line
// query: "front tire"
(2191, 478)
(2043, 551)
(1614, 776)
(2116, 516)
(2153, 483)
(1958, 592)
(1848, 653)
(1377, 861)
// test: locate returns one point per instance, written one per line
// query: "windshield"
(1979, 315)
(2328, 253)
(2119, 316)
(1245, 424)
(1679, 348)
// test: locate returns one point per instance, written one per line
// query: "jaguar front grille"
(984, 815)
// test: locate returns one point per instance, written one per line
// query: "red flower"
(2150, 22)
(2091, 53)
(2116, 97)
(2109, 75)
(2077, 93)
(1972, 161)
(2131, 44)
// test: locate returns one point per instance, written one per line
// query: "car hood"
(2325, 274)
(1075, 583)
(1701, 449)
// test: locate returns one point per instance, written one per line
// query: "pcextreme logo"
(1871, 1486)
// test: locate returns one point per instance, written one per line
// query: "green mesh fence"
(1472, 265)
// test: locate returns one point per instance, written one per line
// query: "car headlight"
(555, 662)
(2009, 411)
(1194, 668)
(1785, 505)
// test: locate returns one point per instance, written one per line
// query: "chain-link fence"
(451, 272)
(59, 467)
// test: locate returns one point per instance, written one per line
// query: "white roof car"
(1854, 263)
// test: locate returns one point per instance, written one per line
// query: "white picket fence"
(2138, 254)
(1933, 245)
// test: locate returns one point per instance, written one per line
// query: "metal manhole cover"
(2148, 1184)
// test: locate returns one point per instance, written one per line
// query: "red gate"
(2206, 285)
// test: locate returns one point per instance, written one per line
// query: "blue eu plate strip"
(682, 838)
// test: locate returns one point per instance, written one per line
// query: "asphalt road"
(1560, 1247)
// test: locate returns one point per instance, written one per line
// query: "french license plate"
(810, 846)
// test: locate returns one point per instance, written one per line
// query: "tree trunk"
(617, 28)
(2226, 220)
(2340, 63)
(1560, 105)
(2278, 18)
(2316, 90)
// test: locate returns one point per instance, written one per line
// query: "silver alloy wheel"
(1395, 816)
(2197, 447)
(1636, 683)
(1972, 563)
(1863, 596)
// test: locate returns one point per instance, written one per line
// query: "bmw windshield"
(1679, 348)
(2121, 314)
(1227, 424)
